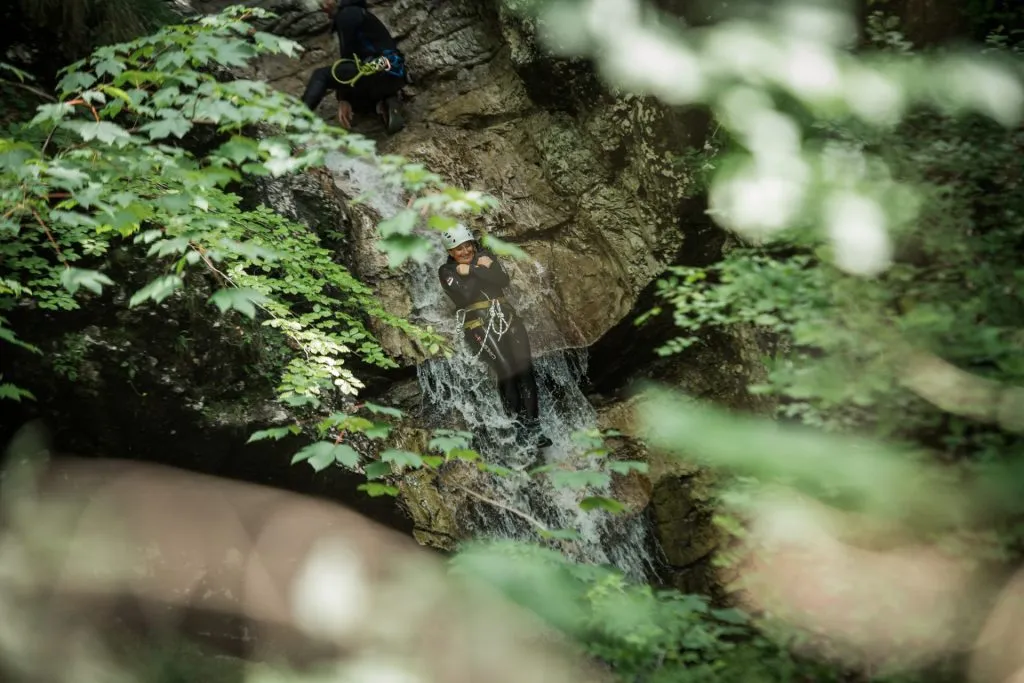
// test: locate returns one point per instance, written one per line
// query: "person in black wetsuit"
(371, 71)
(473, 278)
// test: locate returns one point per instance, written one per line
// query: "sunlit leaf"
(73, 278)
(374, 489)
(402, 458)
(157, 290)
(578, 479)
(242, 300)
(377, 469)
(602, 503)
(275, 433)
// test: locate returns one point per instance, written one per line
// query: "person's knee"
(320, 77)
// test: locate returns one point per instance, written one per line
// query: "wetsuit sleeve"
(494, 275)
(463, 290)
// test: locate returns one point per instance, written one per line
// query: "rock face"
(592, 187)
(590, 182)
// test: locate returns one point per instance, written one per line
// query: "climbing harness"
(390, 62)
(496, 321)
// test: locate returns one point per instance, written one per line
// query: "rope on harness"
(496, 323)
(381, 63)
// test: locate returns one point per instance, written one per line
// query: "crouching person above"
(371, 71)
(474, 279)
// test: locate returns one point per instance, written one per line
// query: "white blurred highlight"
(810, 70)
(857, 228)
(872, 96)
(331, 594)
(739, 50)
(814, 22)
(992, 90)
(760, 199)
(654, 64)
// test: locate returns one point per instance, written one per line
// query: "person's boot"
(391, 112)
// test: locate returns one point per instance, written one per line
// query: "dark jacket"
(360, 32)
(481, 283)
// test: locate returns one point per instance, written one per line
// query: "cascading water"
(462, 386)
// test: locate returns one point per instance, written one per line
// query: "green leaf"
(578, 479)
(249, 250)
(273, 43)
(233, 53)
(9, 337)
(402, 223)
(104, 131)
(75, 81)
(320, 449)
(383, 410)
(321, 461)
(627, 466)
(118, 93)
(374, 490)
(377, 469)
(346, 455)
(494, 469)
(441, 223)
(157, 290)
(239, 149)
(171, 124)
(242, 300)
(444, 444)
(275, 433)
(731, 616)
(466, 454)
(884, 478)
(73, 278)
(379, 430)
(22, 76)
(112, 67)
(279, 166)
(503, 248)
(401, 248)
(14, 393)
(73, 177)
(51, 113)
(602, 503)
(178, 245)
(402, 457)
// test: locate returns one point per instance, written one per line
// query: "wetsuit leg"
(510, 358)
(490, 351)
(319, 83)
(515, 345)
(368, 90)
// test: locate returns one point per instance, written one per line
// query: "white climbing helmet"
(453, 237)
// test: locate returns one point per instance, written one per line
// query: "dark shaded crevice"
(625, 352)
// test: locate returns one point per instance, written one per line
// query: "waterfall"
(461, 389)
